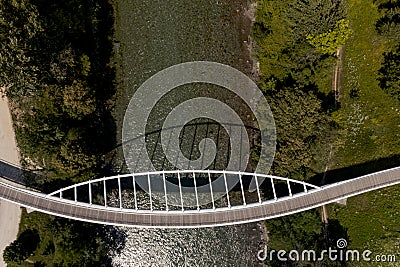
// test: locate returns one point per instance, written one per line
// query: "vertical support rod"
(105, 193)
(305, 188)
(195, 190)
(273, 188)
(151, 201)
(60, 194)
(75, 194)
(165, 191)
(227, 191)
(180, 189)
(90, 193)
(241, 187)
(134, 190)
(211, 189)
(258, 188)
(290, 190)
(119, 192)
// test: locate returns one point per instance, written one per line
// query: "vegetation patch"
(56, 71)
(296, 57)
(55, 68)
(295, 77)
(297, 42)
(369, 121)
(369, 117)
(45, 240)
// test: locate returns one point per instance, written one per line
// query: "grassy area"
(370, 218)
(370, 120)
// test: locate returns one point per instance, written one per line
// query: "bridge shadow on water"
(190, 137)
(30, 178)
(113, 162)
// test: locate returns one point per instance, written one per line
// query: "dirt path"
(10, 214)
(324, 211)
(336, 90)
(337, 75)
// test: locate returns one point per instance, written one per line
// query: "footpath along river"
(151, 35)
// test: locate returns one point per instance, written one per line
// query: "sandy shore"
(10, 214)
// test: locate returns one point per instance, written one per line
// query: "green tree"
(297, 231)
(281, 30)
(271, 34)
(23, 247)
(74, 157)
(301, 125)
(304, 231)
(389, 24)
(63, 65)
(19, 24)
(329, 42)
(79, 244)
(85, 64)
(54, 62)
(14, 253)
(314, 17)
(390, 73)
(78, 100)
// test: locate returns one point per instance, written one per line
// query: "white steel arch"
(274, 180)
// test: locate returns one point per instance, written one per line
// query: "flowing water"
(222, 246)
(151, 35)
(219, 246)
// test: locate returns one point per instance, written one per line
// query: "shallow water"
(150, 36)
(222, 246)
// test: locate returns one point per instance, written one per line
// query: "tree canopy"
(19, 25)
(22, 247)
(55, 67)
(329, 42)
(390, 73)
(291, 73)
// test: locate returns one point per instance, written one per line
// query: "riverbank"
(10, 214)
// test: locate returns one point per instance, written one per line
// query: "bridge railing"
(222, 190)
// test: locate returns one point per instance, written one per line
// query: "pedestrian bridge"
(191, 198)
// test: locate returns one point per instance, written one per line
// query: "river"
(151, 35)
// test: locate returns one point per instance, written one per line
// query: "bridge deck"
(266, 210)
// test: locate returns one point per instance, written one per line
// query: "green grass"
(370, 217)
(371, 120)
(370, 131)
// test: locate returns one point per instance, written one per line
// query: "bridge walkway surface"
(206, 218)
